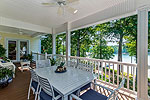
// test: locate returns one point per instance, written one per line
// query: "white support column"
(54, 41)
(68, 41)
(142, 57)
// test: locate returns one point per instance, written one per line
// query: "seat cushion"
(93, 95)
(45, 96)
(34, 85)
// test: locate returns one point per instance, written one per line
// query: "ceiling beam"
(24, 25)
(36, 34)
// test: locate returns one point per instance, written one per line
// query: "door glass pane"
(23, 48)
(12, 50)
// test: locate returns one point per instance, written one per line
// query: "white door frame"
(17, 46)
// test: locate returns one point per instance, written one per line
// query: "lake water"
(127, 58)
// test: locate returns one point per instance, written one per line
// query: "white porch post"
(142, 57)
(68, 40)
(54, 41)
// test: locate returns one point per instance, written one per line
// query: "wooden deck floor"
(18, 89)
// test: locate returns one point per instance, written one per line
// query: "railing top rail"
(101, 60)
(91, 59)
(56, 55)
(37, 53)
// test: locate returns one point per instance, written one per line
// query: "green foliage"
(46, 44)
(62, 64)
(2, 51)
(81, 41)
(28, 57)
(6, 59)
(131, 45)
(5, 72)
(61, 44)
(53, 61)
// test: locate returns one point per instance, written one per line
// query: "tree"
(60, 44)
(79, 38)
(46, 44)
(100, 50)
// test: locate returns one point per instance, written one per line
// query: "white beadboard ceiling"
(33, 12)
(89, 11)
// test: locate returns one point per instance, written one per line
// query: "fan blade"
(71, 1)
(50, 4)
(71, 10)
(60, 11)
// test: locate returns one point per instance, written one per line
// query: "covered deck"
(30, 15)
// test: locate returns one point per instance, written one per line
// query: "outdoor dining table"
(65, 83)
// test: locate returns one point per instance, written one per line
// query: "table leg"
(65, 98)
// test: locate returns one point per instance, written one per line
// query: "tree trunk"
(120, 51)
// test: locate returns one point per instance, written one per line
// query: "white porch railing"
(105, 70)
(38, 56)
(108, 71)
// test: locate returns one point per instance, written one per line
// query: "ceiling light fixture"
(75, 11)
(63, 6)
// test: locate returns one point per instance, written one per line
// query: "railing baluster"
(98, 69)
(113, 74)
(133, 78)
(122, 71)
(95, 67)
(37, 56)
(105, 71)
(117, 74)
(101, 70)
(127, 77)
(109, 72)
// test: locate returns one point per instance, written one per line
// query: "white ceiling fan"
(63, 6)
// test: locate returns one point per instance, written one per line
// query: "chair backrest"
(46, 86)
(71, 64)
(43, 63)
(34, 76)
(114, 93)
(85, 67)
(25, 64)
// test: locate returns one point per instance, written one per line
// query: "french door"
(17, 49)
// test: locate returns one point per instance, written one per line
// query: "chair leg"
(21, 69)
(29, 93)
(35, 96)
(37, 92)
(38, 97)
(29, 89)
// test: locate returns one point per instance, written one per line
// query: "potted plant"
(53, 61)
(5, 76)
(2, 51)
(28, 57)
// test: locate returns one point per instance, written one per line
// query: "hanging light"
(71, 10)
